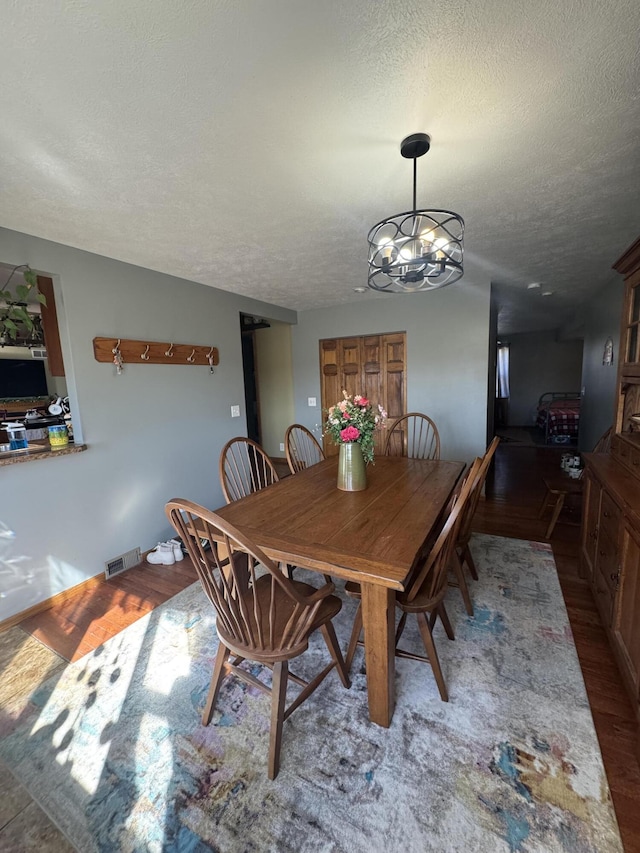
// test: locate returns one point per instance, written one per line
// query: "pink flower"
(350, 433)
(361, 401)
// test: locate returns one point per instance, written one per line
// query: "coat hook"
(191, 358)
(145, 354)
(117, 358)
(169, 352)
(210, 360)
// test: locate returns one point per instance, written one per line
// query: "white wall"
(539, 363)
(602, 320)
(275, 384)
(153, 433)
(447, 356)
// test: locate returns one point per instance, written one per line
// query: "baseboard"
(58, 598)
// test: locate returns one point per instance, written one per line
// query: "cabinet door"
(590, 516)
(626, 629)
(606, 560)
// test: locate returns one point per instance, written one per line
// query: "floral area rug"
(113, 749)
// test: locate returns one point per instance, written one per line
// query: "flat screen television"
(22, 377)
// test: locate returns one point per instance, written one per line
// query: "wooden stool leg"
(432, 654)
(278, 697)
(216, 680)
(545, 502)
(557, 509)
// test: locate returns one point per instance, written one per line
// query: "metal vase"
(352, 473)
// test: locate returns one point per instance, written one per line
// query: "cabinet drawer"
(620, 449)
(633, 461)
(609, 517)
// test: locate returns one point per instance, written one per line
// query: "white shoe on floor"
(162, 555)
(177, 549)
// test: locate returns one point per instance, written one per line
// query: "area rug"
(113, 750)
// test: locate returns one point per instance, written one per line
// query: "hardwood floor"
(514, 494)
(81, 623)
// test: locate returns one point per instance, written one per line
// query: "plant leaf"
(30, 277)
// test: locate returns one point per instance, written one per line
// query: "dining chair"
(302, 448)
(425, 593)
(560, 486)
(244, 468)
(261, 615)
(463, 553)
(414, 435)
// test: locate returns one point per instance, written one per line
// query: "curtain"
(502, 373)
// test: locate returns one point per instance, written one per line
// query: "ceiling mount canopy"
(419, 249)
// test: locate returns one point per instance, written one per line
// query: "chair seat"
(270, 602)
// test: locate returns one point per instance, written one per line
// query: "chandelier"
(419, 249)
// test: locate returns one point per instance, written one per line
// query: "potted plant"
(13, 305)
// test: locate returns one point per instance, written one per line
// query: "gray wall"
(447, 356)
(153, 433)
(602, 320)
(539, 363)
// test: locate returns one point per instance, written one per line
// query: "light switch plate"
(235, 411)
(282, 447)
(311, 401)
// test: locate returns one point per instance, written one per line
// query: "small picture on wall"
(607, 356)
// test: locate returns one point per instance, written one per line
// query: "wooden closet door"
(371, 365)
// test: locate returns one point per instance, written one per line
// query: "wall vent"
(122, 563)
(39, 353)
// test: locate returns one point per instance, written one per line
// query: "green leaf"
(30, 277)
(22, 291)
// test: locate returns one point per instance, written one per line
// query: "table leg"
(378, 619)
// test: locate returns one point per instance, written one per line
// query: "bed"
(558, 414)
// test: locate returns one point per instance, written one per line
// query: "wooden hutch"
(610, 541)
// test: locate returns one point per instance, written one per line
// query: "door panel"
(371, 365)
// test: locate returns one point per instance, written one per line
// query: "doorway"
(248, 327)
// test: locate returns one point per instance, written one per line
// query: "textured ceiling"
(251, 145)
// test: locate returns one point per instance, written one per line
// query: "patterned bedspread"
(561, 417)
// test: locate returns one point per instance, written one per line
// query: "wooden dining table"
(374, 537)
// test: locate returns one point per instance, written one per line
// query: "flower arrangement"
(354, 420)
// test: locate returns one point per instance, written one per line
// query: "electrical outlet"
(312, 402)
(282, 447)
(235, 411)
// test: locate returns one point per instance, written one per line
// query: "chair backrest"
(302, 448)
(432, 577)
(244, 468)
(472, 504)
(260, 613)
(603, 445)
(414, 435)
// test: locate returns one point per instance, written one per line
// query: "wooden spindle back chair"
(302, 448)
(463, 553)
(261, 615)
(426, 592)
(244, 468)
(414, 435)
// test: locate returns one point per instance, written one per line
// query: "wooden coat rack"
(152, 352)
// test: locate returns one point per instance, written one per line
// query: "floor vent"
(122, 563)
